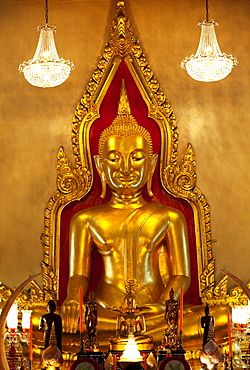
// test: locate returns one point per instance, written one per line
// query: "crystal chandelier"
(209, 63)
(46, 69)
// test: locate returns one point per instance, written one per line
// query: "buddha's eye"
(113, 157)
(113, 160)
(138, 156)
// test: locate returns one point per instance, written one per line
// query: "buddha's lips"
(127, 179)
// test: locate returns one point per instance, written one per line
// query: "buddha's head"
(125, 159)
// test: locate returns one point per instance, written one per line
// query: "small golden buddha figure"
(130, 320)
(129, 233)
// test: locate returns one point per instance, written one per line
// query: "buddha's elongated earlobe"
(99, 168)
(151, 172)
(103, 182)
(149, 183)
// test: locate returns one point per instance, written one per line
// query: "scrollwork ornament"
(121, 37)
(31, 297)
(238, 297)
(5, 292)
(27, 298)
(180, 179)
(220, 291)
(49, 282)
(218, 294)
(207, 279)
(73, 183)
(36, 292)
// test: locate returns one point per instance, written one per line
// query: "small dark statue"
(169, 340)
(91, 322)
(207, 323)
(46, 323)
(211, 355)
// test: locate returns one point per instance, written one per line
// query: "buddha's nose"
(126, 166)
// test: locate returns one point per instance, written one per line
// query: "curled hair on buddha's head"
(124, 125)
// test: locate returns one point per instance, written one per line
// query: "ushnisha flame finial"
(123, 107)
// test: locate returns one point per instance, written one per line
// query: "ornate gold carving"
(27, 298)
(181, 179)
(238, 297)
(207, 278)
(218, 294)
(132, 285)
(73, 183)
(32, 297)
(5, 292)
(211, 293)
(49, 282)
(121, 37)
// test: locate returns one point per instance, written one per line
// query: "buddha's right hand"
(70, 307)
(70, 315)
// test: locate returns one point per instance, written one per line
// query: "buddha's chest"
(123, 234)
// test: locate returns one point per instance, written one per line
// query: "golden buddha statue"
(127, 231)
(130, 233)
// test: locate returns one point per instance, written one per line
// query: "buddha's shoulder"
(90, 212)
(165, 211)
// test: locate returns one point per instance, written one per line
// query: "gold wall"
(35, 122)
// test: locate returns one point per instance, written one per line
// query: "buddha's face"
(126, 164)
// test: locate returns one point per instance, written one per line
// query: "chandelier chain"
(207, 16)
(46, 12)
